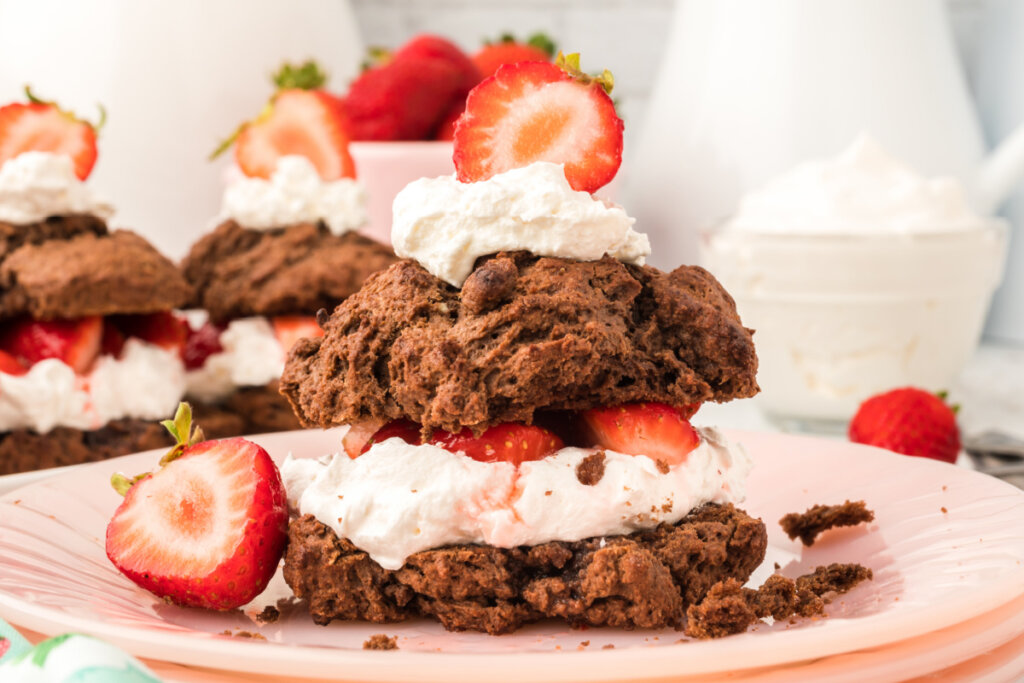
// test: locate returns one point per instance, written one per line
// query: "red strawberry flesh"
(656, 430)
(201, 344)
(291, 328)
(207, 530)
(536, 111)
(75, 342)
(510, 442)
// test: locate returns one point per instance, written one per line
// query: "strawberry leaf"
(306, 76)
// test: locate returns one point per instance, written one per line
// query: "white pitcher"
(747, 90)
(176, 78)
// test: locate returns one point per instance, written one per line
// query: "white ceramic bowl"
(386, 167)
(839, 318)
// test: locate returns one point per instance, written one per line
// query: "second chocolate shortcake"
(519, 393)
(286, 246)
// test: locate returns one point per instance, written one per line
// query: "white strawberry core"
(397, 498)
(552, 122)
(189, 518)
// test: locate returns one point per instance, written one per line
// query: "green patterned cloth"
(70, 658)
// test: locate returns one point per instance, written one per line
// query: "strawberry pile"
(208, 528)
(42, 126)
(656, 430)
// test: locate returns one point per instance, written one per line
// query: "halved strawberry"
(163, 328)
(291, 328)
(535, 111)
(507, 50)
(200, 345)
(509, 442)
(38, 126)
(9, 365)
(75, 342)
(296, 122)
(656, 430)
(207, 529)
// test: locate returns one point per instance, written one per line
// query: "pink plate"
(947, 546)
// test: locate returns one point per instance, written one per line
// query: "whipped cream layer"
(252, 356)
(398, 499)
(446, 225)
(294, 194)
(146, 382)
(864, 190)
(37, 185)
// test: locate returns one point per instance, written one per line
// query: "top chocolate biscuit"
(297, 270)
(523, 334)
(71, 266)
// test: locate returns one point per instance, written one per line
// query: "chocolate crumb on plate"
(819, 518)
(728, 608)
(269, 615)
(381, 641)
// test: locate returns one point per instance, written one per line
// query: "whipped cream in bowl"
(37, 185)
(398, 499)
(295, 193)
(446, 225)
(859, 275)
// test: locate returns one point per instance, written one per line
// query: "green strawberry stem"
(541, 41)
(306, 76)
(34, 99)
(570, 64)
(185, 434)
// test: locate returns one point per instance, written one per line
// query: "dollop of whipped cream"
(398, 499)
(864, 190)
(447, 225)
(252, 356)
(146, 382)
(295, 193)
(37, 185)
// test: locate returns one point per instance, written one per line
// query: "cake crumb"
(609, 646)
(243, 634)
(729, 608)
(269, 615)
(944, 510)
(584, 643)
(662, 466)
(590, 471)
(808, 525)
(381, 641)
(547, 493)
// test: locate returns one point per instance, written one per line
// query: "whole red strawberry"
(908, 421)
(408, 94)
(207, 529)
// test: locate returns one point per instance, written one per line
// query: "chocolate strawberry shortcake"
(89, 348)
(286, 246)
(519, 392)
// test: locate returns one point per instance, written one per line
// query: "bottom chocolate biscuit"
(22, 450)
(642, 580)
(249, 410)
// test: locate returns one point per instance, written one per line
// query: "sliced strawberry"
(291, 328)
(38, 126)
(297, 122)
(406, 430)
(163, 329)
(113, 339)
(507, 50)
(656, 430)
(75, 342)
(206, 530)
(509, 442)
(200, 345)
(9, 365)
(535, 111)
